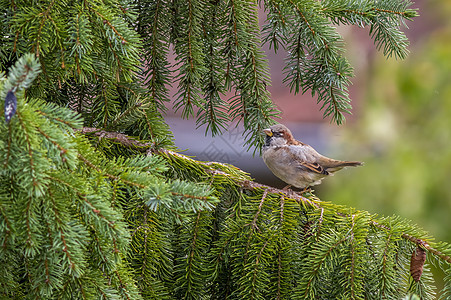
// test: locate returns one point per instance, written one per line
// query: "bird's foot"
(307, 191)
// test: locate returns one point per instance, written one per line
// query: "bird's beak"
(267, 131)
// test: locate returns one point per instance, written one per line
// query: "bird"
(296, 163)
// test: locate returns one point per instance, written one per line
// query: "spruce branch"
(22, 74)
(288, 194)
(120, 138)
(313, 276)
(82, 196)
(417, 241)
(63, 150)
(120, 214)
(44, 16)
(315, 49)
(8, 230)
(209, 167)
(108, 175)
(254, 221)
(243, 182)
(424, 244)
(38, 177)
(106, 21)
(188, 48)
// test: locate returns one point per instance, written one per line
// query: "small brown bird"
(296, 163)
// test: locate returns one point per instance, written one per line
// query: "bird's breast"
(286, 167)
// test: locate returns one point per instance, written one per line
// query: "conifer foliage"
(96, 202)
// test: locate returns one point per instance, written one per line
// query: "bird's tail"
(336, 165)
(351, 163)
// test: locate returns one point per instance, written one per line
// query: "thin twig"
(254, 222)
(121, 138)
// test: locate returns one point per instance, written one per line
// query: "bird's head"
(278, 135)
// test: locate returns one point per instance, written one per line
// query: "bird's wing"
(313, 167)
(306, 159)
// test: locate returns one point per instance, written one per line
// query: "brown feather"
(315, 167)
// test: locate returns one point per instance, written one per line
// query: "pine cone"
(417, 262)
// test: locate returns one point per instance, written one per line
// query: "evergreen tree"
(96, 202)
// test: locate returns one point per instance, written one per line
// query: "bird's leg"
(288, 191)
(286, 188)
(307, 189)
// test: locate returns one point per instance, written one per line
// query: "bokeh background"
(400, 126)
